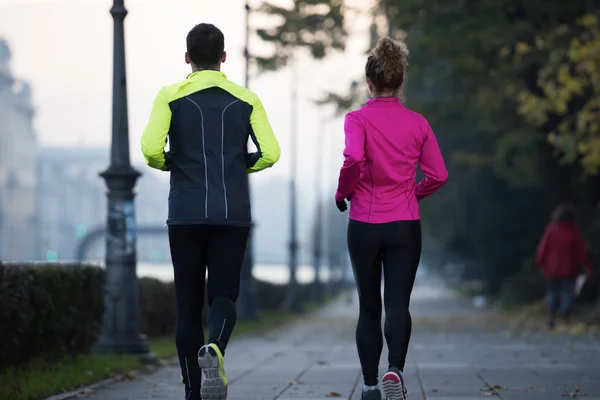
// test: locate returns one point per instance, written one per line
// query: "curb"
(91, 388)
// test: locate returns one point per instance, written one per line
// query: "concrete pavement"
(456, 354)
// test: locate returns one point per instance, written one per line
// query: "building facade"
(51, 198)
(72, 204)
(18, 148)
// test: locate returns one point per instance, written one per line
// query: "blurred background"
(510, 87)
(56, 68)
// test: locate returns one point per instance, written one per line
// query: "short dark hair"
(564, 212)
(205, 45)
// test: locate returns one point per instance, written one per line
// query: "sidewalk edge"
(84, 390)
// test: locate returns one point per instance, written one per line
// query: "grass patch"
(266, 322)
(165, 347)
(39, 379)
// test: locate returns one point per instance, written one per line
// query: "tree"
(569, 84)
(488, 91)
(314, 25)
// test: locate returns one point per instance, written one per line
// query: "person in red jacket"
(560, 254)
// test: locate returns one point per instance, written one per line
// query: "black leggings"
(193, 249)
(398, 246)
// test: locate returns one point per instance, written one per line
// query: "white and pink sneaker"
(393, 385)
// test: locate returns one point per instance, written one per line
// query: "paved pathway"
(454, 355)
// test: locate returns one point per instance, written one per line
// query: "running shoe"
(214, 381)
(371, 395)
(393, 385)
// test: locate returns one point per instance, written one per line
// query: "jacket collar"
(207, 74)
(374, 100)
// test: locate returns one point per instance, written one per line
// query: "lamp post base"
(125, 344)
(291, 303)
(246, 303)
(317, 293)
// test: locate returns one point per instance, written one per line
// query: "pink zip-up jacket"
(384, 143)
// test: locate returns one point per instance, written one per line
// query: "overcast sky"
(64, 49)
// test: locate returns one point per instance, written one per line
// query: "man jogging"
(208, 121)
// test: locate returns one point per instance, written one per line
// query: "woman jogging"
(384, 143)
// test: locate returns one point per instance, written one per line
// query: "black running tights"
(194, 248)
(396, 245)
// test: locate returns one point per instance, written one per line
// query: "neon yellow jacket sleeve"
(154, 138)
(263, 137)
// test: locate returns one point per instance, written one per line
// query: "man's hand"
(167, 161)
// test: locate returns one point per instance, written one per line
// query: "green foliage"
(506, 85)
(315, 25)
(157, 307)
(272, 295)
(525, 287)
(503, 176)
(569, 82)
(40, 379)
(51, 311)
(343, 103)
(48, 310)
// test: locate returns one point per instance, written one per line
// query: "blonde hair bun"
(392, 57)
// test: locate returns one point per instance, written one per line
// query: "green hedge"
(525, 287)
(51, 310)
(48, 309)
(157, 307)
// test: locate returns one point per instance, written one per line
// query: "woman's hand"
(341, 205)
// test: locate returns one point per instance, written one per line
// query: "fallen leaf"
(491, 391)
(575, 393)
(84, 393)
(334, 394)
(577, 330)
(128, 377)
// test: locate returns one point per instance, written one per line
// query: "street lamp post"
(317, 289)
(246, 306)
(292, 301)
(121, 328)
(247, 46)
(334, 259)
